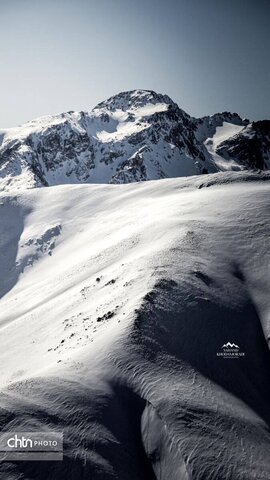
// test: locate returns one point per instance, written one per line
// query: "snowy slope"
(206, 127)
(115, 300)
(250, 147)
(133, 136)
(223, 133)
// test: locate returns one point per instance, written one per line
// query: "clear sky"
(60, 55)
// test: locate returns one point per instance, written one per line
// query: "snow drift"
(115, 301)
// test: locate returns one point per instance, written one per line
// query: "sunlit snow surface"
(227, 130)
(115, 300)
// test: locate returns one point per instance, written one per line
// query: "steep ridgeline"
(251, 146)
(133, 136)
(206, 127)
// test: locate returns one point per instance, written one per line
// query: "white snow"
(224, 132)
(123, 128)
(115, 300)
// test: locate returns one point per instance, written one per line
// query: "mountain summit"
(133, 136)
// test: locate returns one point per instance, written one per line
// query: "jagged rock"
(133, 136)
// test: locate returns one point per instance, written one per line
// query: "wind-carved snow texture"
(113, 338)
(131, 137)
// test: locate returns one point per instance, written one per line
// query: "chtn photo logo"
(21, 442)
(230, 350)
(31, 446)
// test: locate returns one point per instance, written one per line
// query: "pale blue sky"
(60, 55)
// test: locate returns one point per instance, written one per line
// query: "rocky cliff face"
(206, 126)
(251, 147)
(133, 136)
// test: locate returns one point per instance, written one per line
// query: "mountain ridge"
(134, 136)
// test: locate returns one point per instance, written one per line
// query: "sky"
(61, 55)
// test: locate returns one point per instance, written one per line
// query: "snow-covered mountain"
(133, 136)
(117, 303)
(134, 316)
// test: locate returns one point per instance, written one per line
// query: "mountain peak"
(133, 136)
(133, 99)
